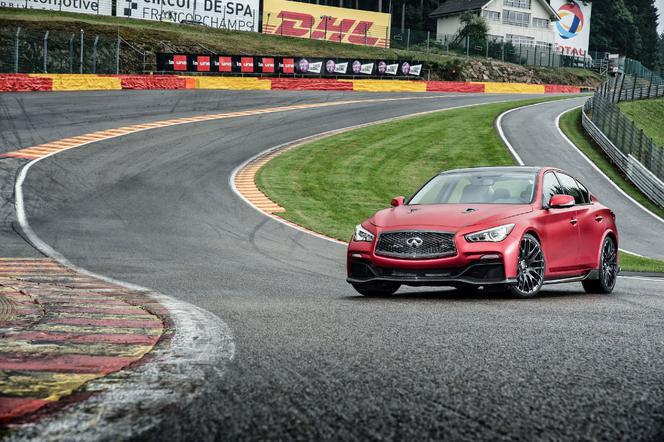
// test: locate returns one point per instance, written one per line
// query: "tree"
(473, 26)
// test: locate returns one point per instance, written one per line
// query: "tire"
(377, 289)
(608, 270)
(531, 265)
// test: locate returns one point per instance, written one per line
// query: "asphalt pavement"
(314, 360)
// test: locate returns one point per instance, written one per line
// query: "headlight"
(362, 234)
(495, 234)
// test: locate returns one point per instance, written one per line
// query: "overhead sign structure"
(96, 7)
(573, 29)
(238, 15)
(316, 22)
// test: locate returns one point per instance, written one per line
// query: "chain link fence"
(635, 153)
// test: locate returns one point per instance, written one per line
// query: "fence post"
(46, 52)
(634, 88)
(535, 56)
(16, 49)
(117, 57)
(81, 61)
(71, 54)
(486, 42)
(428, 37)
(366, 29)
(650, 85)
(387, 36)
(467, 45)
(94, 55)
(502, 49)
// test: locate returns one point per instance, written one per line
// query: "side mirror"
(561, 201)
(398, 201)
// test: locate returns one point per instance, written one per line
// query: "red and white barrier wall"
(87, 82)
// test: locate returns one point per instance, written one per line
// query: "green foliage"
(473, 26)
(648, 116)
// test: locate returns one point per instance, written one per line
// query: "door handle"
(599, 219)
(574, 221)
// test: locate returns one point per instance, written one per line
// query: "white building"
(526, 22)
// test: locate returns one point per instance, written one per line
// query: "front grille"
(416, 245)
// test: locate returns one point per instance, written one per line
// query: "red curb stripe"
(108, 311)
(13, 407)
(55, 337)
(115, 323)
(64, 363)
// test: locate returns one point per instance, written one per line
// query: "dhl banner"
(317, 22)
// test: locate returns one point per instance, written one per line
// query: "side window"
(570, 187)
(550, 187)
(584, 192)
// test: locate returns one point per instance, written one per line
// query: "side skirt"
(592, 274)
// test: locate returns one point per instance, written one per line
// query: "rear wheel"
(530, 276)
(379, 288)
(608, 270)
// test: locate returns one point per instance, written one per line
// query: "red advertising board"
(247, 64)
(225, 64)
(289, 66)
(179, 62)
(268, 65)
(203, 63)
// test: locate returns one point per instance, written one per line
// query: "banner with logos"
(306, 66)
(573, 29)
(317, 22)
(95, 7)
(237, 15)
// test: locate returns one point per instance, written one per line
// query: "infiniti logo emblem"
(415, 242)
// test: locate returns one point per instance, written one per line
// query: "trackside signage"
(96, 7)
(301, 66)
(316, 22)
(240, 15)
(573, 29)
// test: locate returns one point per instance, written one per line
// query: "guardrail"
(637, 156)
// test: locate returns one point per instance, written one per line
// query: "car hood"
(447, 216)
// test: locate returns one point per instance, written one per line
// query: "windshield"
(478, 188)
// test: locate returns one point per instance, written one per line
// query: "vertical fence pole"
(366, 31)
(486, 49)
(502, 50)
(428, 38)
(387, 36)
(408, 41)
(81, 61)
(634, 88)
(71, 54)
(94, 55)
(117, 57)
(467, 45)
(16, 49)
(652, 74)
(46, 52)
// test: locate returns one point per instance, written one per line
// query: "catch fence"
(635, 153)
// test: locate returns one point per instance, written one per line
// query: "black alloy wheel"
(377, 288)
(608, 270)
(530, 277)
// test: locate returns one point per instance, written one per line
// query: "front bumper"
(480, 273)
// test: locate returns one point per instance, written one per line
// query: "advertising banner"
(305, 66)
(573, 29)
(96, 7)
(238, 15)
(317, 22)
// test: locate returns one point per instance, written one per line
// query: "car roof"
(507, 169)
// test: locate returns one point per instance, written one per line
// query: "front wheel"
(379, 288)
(530, 276)
(608, 270)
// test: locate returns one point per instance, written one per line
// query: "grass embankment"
(152, 36)
(648, 115)
(570, 123)
(332, 184)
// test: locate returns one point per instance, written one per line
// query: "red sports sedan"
(505, 228)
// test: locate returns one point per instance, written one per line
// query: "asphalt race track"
(313, 359)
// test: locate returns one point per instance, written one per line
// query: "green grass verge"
(332, 184)
(648, 116)
(570, 123)
(633, 263)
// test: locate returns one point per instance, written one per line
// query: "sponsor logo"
(416, 69)
(288, 66)
(357, 67)
(367, 68)
(392, 69)
(571, 20)
(225, 64)
(315, 68)
(179, 62)
(247, 64)
(341, 68)
(203, 64)
(268, 64)
(298, 24)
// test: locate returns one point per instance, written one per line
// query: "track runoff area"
(282, 302)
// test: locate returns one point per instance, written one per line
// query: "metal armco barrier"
(626, 145)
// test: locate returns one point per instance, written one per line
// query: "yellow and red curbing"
(88, 82)
(65, 329)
